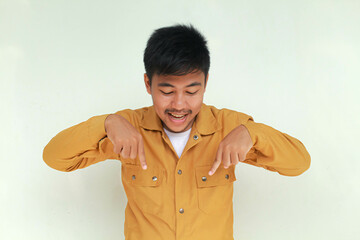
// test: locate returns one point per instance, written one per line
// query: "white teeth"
(177, 116)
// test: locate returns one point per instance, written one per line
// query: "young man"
(179, 155)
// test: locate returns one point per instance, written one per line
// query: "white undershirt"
(178, 140)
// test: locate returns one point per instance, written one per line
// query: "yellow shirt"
(175, 198)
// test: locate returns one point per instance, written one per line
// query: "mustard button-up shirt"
(175, 198)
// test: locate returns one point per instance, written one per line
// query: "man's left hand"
(233, 148)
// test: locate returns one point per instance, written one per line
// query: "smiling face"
(177, 99)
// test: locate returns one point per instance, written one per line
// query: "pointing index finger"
(217, 162)
(141, 153)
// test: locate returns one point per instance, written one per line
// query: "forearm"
(276, 151)
(79, 146)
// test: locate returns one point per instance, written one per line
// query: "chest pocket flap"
(135, 175)
(222, 176)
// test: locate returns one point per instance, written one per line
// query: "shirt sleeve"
(276, 151)
(79, 146)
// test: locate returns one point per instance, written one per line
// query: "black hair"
(176, 50)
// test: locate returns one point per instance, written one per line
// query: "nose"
(178, 101)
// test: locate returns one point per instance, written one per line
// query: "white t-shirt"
(178, 140)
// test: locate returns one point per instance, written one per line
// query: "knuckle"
(118, 141)
(138, 136)
(227, 147)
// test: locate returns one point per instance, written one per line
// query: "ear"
(147, 83)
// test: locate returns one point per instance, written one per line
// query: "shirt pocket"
(215, 193)
(144, 188)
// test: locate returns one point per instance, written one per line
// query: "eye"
(191, 93)
(166, 93)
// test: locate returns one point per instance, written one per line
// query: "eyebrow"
(170, 85)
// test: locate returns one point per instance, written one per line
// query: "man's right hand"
(126, 139)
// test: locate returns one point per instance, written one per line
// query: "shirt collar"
(205, 122)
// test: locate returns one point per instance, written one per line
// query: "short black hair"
(176, 50)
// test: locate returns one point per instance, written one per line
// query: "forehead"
(179, 81)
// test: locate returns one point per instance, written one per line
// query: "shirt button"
(203, 178)
(154, 178)
(227, 176)
(179, 172)
(133, 177)
(181, 210)
(196, 137)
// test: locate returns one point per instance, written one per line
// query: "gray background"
(293, 65)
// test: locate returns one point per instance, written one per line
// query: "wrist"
(107, 120)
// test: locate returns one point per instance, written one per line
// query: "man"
(179, 155)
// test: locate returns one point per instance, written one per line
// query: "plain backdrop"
(293, 65)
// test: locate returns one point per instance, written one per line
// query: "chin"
(177, 130)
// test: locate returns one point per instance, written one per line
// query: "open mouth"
(178, 118)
